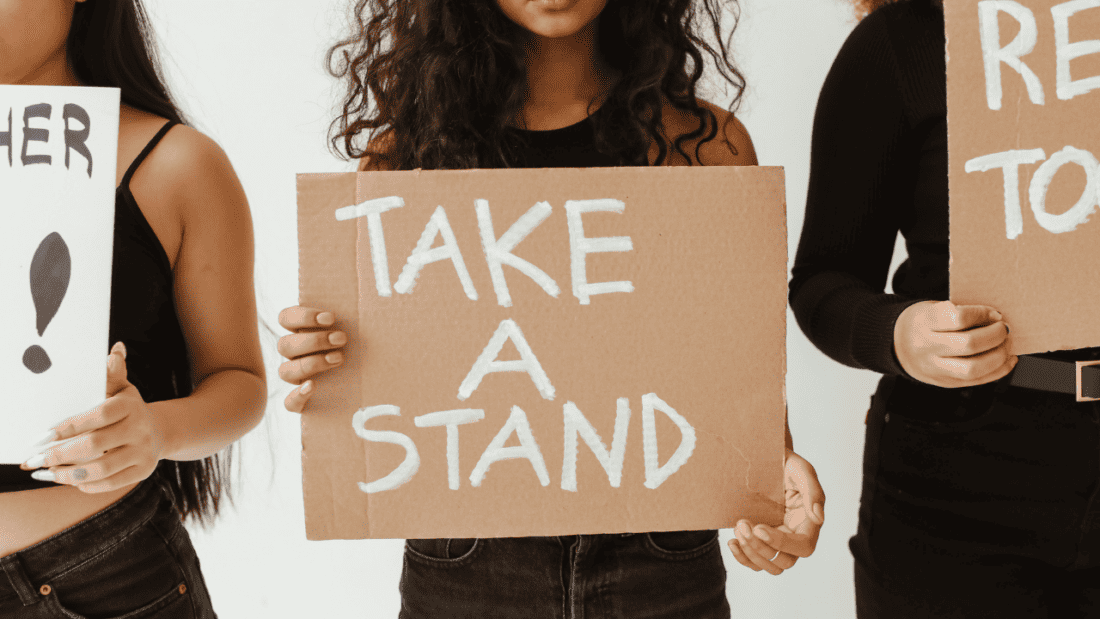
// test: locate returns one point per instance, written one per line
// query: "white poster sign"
(58, 150)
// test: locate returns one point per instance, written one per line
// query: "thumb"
(950, 317)
(813, 495)
(116, 369)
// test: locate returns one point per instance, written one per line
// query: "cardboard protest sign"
(542, 352)
(1023, 91)
(58, 147)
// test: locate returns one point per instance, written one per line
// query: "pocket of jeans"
(133, 576)
(443, 551)
(174, 604)
(681, 544)
(179, 544)
(951, 465)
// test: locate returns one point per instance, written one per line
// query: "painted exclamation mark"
(50, 269)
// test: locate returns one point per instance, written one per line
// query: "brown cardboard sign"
(1023, 92)
(545, 352)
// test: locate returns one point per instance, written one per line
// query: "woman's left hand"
(775, 549)
(114, 445)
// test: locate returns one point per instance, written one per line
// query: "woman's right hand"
(311, 348)
(948, 345)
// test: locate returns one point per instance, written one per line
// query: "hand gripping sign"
(541, 352)
(1023, 91)
(57, 183)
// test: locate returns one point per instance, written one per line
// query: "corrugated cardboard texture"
(703, 329)
(1043, 282)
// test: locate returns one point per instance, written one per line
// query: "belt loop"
(18, 579)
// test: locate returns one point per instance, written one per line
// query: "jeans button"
(45, 589)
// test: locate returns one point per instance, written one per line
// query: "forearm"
(225, 406)
(861, 173)
(848, 320)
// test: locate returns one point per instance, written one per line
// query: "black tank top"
(568, 147)
(143, 312)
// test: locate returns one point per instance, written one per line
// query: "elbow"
(797, 304)
(244, 389)
(254, 396)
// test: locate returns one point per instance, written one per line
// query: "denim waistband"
(82, 541)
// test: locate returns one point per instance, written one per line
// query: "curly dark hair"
(436, 83)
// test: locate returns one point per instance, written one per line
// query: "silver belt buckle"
(1080, 365)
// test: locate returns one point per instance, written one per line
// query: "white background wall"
(250, 74)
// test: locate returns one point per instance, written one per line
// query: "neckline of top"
(581, 130)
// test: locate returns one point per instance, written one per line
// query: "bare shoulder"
(731, 146)
(183, 161)
(188, 183)
(191, 171)
(372, 162)
(186, 158)
(377, 158)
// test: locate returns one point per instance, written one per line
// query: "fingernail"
(325, 318)
(762, 534)
(44, 475)
(337, 338)
(48, 437)
(306, 387)
(995, 315)
(745, 530)
(36, 461)
(334, 357)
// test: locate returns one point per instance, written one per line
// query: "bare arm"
(196, 199)
(216, 302)
(757, 546)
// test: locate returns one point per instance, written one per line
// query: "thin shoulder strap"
(145, 152)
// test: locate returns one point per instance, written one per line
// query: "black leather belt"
(1080, 378)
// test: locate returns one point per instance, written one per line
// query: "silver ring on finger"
(774, 557)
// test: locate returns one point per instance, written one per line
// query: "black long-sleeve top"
(878, 166)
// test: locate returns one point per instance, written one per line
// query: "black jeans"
(638, 576)
(979, 502)
(132, 560)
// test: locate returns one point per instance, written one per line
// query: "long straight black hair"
(111, 44)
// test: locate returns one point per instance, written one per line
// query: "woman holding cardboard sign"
(92, 524)
(979, 494)
(570, 83)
